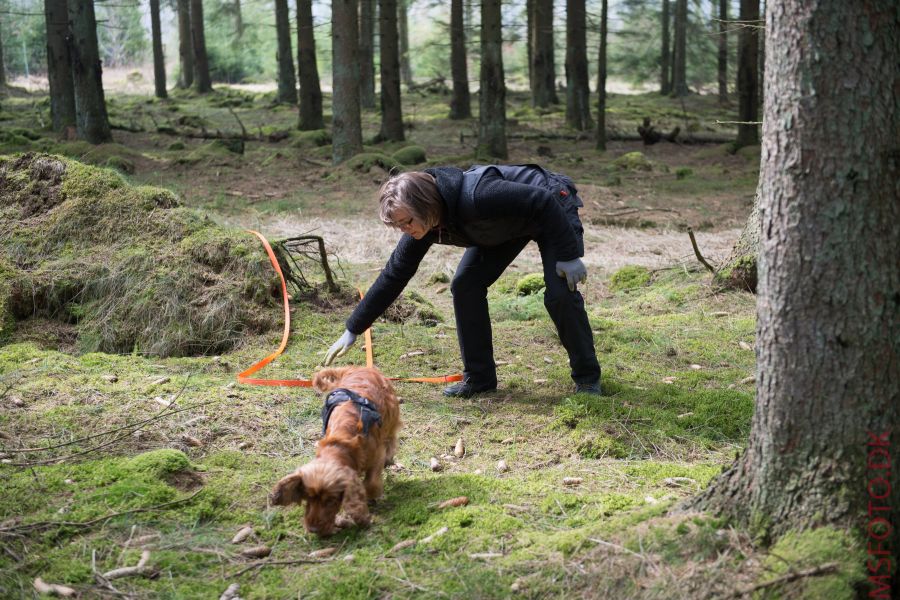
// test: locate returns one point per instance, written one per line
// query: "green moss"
(363, 162)
(310, 139)
(120, 164)
(530, 284)
(214, 151)
(410, 155)
(633, 161)
(175, 146)
(159, 463)
(683, 172)
(628, 278)
(799, 550)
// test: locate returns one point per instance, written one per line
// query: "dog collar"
(368, 412)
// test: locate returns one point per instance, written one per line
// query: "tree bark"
(460, 102)
(159, 61)
(825, 436)
(748, 75)
(367, 53)
(492, 97)
(185, 45)
(578, 95)
(238, 20)
(679, 60)
(665, 60)
(346, 121)
(287, 82)
(723, 52)
(529, 37)
(406, 74)
(202, 82)
(311, 116)
(761, 66)
(91, 120)
(601, 79)
(391, 111)
(543, 68)
(59, 66)
(2, 66)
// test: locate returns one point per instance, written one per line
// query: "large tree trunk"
(460, 102)
(287, 82)
(761, 65)
(91, 120)
(367, 53)
(601, 79)
(739, 270)
(492, 97)
(59, 66)
(159, 61)
(824, 446)
(529, 37)
(543, 68)
(238, 20)
(748, 75)
(185, 45)
(2, 66)
(346, 121)
(391, 111)
(202, 82)
(578, 95)
(406, 74)
(723, 52)
(679, 60)
(665, 59)
(311, 117)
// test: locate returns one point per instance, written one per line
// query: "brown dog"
(331, 481)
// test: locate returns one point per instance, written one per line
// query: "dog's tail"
(328, 379)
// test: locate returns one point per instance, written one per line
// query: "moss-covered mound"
(125, 265)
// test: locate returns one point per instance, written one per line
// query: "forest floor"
(676, 353)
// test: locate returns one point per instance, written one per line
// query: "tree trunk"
(492, 97)
(391, 111)
(91, 120)
(346, 122)
(460, 102)
(679, 60)
(723, 52)
(238, 19)
(578, 95)
(543, 88)
(367, 53)
(529, 38)
(2, 66)
(202, 82)
(739, 270)
(825, 439)
(665, 60)
(748, 75)
(311, 117)
(406, 74)
(601, 79)
(287, 82)
(159, 61)
(59, 66)
(185, 45)
(761, 66)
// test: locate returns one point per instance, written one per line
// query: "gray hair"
(415, 191)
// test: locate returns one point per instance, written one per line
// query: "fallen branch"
(788, 577)
(697, 252)
(139, 569)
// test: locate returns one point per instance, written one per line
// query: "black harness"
(368, 412)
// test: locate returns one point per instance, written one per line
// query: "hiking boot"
(466, 389)
(588, 388)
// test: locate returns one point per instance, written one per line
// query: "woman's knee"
(467, 282)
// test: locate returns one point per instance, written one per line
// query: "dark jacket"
(485, 206)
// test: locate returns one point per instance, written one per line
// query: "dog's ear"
(290, 490)
(355, 502)
(327, 379)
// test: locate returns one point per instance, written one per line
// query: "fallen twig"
(139, 569)
(788, 577)
(613, 215)
(697, 251)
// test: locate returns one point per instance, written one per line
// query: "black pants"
(478, 269)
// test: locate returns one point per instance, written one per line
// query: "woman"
(494, 212)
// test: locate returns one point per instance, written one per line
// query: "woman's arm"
(400, 267)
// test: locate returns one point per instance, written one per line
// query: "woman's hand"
(340, 347)
(573, 270)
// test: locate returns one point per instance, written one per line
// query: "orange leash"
(244, 376)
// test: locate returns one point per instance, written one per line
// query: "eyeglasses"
(403, 224)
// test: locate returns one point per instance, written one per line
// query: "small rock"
(502, 466)
(573, 481)
(17, 402)
(231, 593)
(110, 378)
(242, 534)
(460, 449)
(349, 557)
(435, 464)
(696, 367)
(323, 552)
(69, 482)
(744, 345)
(245, 445)
(230, 385)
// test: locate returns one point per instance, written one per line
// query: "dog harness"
(368, 413)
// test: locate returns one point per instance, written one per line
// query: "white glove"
(340, 347)
(573, 270)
